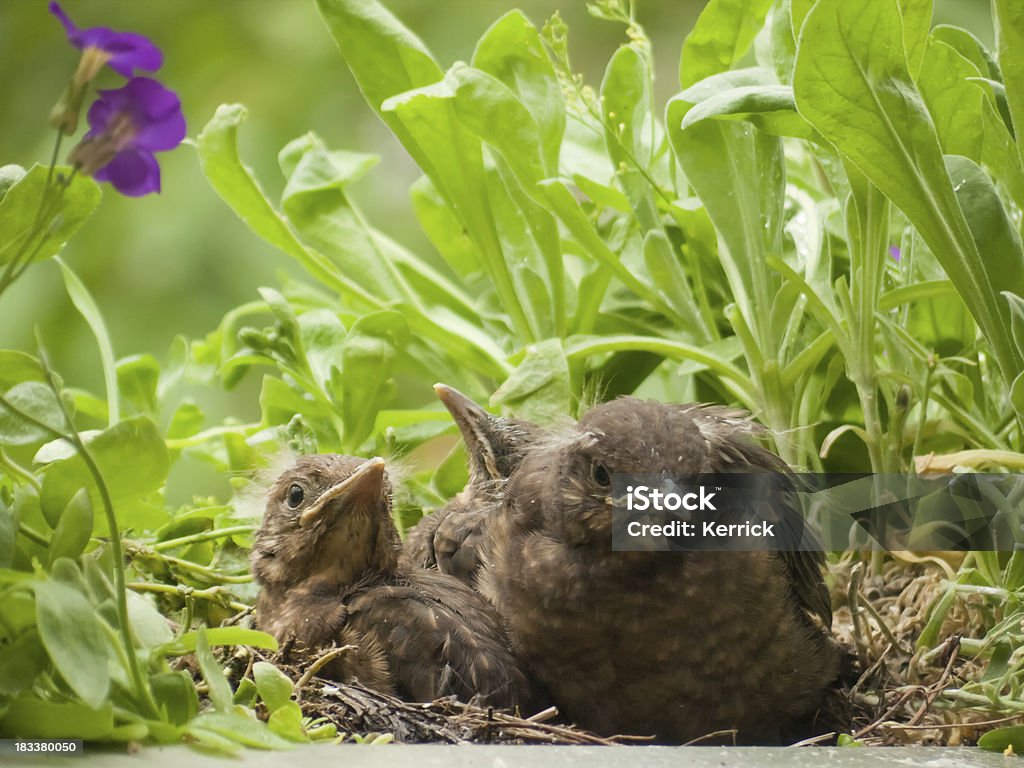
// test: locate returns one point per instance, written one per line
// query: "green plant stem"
(19, 471)
(147, 553)
(33, 535)
(121, 594)
(213, 594)
(203, 536)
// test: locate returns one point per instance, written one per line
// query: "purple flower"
(123, 51)
(126, 126)
(894, 251)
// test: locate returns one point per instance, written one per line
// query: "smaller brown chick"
(453, 538)
(326, 557)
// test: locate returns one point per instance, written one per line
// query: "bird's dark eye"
(295, 495)
(601, 476)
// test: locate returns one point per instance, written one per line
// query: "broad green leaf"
(34, 414)
(240, 728)
(131, 457)
(217, 146)
(70, 631)
(87, 307)
(368, 355)
(385, 58)
(31, 718)
(1009, 26)
(539, 387)
(719, 159)
(220, 689)
(771, 108)
(16, 367)
(286, 721)
(852, 83)
(492, 112)
(74, 528)
(1002, 739)
(21, 663)
(274, 686)
(318, 207)
(456, 168)
(512, 51)
(722, 35)
(221, 636)
(917, 21)
(969, 46)
(175, 694)
(186, 421)
(965, 116)
(150, 628)
(137, 378)
(442, 227)
(24, 238)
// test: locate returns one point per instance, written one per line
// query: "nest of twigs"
(899, 694)
(892, 692)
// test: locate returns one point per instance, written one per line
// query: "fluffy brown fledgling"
(326, 557)
(674, 644)
(453, 538)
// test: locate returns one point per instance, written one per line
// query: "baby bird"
(452, 539)
(326, 558)
(674, 644)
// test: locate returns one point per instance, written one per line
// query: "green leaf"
(1009, 27)
(131, 457)
(287, 722)
(512, 51)
(217, 146)
(16, 367)
(219, 688)
(538, 388)
(220, 636)
(385, 58)
(771, 108)
(492, 112)
(965, 116)
(36, 414)
(274, 686)
(30, 718)
(86, 306)
(150, 628)
(720, 159)
(239, 728)
(137, 379)
(852, 83)
(368, 355)
(74, 528)
(1000, 739)
(21, 663)
(21, 236)
(175, 694)
(71, 633)
(722, 35)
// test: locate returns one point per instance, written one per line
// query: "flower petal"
(128, 51)
(133, 173)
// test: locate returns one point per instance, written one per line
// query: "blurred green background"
(173, 263)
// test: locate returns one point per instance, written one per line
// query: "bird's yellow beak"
(365, 485)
